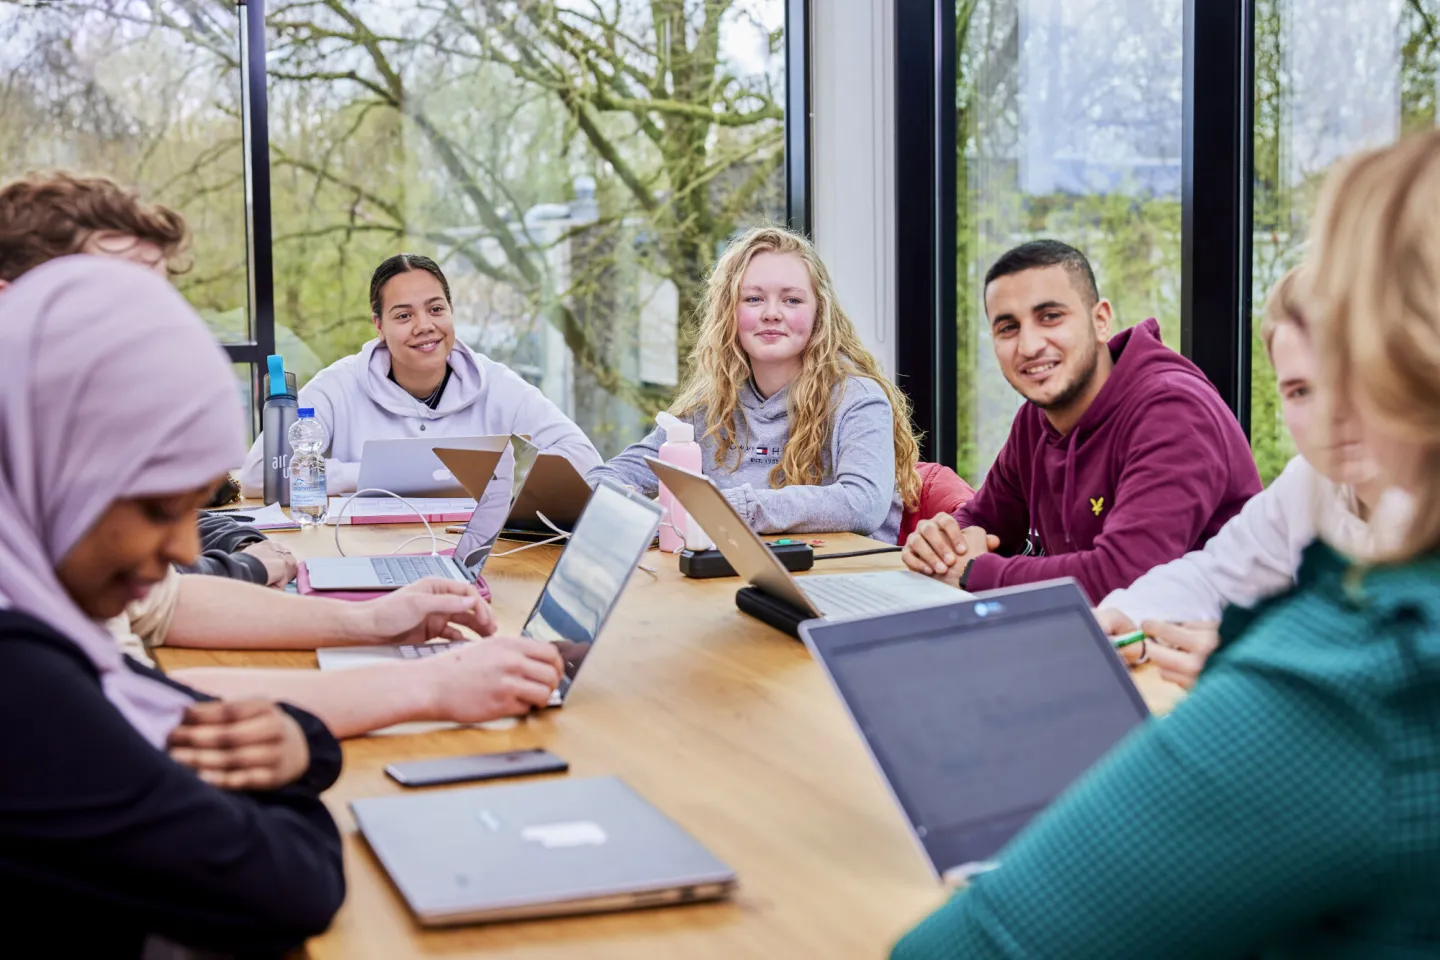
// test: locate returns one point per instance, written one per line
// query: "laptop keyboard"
(847, 596)
(398, 571)
(417, 651)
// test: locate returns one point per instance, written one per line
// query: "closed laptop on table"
(541, 849)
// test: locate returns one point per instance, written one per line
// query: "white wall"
(852, 83)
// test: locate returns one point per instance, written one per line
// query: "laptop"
(543, 849)
(979, 714)
(410, 467)
(474, 468)
(811, 597)
(545, 483)
(610, 538)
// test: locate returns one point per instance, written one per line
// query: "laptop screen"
(979, 724)
(612, 534)
(488, 521)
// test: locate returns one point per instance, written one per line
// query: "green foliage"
(457, 129)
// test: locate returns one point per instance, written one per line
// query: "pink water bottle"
(681, 450)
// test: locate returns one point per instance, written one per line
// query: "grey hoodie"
(858, 493)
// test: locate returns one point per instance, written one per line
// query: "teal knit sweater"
(1289, 807)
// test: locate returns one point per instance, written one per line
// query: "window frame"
(1217, 167)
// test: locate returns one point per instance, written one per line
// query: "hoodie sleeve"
(999, 507)
(1253, 556)
(1177, 470)
(629, 468)
(863, 490)
(547, 426)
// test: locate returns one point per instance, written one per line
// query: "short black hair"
(1048, 253)
(398, 264)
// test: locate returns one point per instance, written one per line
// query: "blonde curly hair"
(834, 353)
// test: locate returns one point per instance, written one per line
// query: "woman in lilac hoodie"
(416, 380)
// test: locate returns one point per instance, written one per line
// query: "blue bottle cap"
(307, 411)
(276, 363)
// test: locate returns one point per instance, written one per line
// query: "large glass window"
(573, 167)
(1068, 125)
(1331, 77)
(147, 93)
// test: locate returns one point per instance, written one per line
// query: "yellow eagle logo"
(1097, 504)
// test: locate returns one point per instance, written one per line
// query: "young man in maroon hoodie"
(1123, 458)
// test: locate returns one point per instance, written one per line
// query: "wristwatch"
(965, 574)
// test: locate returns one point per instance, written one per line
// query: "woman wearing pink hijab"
(126, 804)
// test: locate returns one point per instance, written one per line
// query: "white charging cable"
(350, 500)
(559, 535)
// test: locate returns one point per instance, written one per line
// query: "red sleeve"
(999, 506)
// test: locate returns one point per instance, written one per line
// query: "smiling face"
(1048, 340)
(130, 549)
(775, 314)
(416, 323)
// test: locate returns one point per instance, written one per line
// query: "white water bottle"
(681, 450)
(308, 496)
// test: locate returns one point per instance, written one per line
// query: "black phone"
(479, 766)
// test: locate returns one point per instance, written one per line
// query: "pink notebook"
(302, 584)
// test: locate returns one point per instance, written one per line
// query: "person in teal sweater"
(1290, 807)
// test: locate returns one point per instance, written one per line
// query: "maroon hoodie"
(1152, 470)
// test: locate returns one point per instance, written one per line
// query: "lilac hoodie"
(1153, 470)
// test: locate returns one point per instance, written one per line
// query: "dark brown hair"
(1048, 253)
(52, 214)
(398, 264)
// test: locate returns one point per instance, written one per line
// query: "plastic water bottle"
(308, 496)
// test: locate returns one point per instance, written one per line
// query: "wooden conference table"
(722, 722)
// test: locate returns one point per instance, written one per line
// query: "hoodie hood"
(769, 410)
(467, 382)
(1138, 355)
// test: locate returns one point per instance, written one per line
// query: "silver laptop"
(474, 468)
(543, 849)
(545, 483)
(971, 734)
(611, 536)
(410, 467)
(831, 595)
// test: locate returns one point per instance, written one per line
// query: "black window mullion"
(925, 361)
(797, 116)
(1217, 170)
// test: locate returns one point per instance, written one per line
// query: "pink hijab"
(110, 387)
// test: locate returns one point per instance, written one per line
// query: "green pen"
(1125, 639)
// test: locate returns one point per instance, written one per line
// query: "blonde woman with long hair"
(1290, 806)
(798, 424)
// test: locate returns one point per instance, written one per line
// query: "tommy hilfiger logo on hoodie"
(765, 454)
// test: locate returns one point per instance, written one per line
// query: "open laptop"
(831, 595)
(609, 539)
(410, 467)
(474, 468)
(981, 713)
(542, 849)
(544, 483)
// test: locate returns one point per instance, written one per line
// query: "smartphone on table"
(479, 766)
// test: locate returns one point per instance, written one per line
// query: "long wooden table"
(722, 722)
